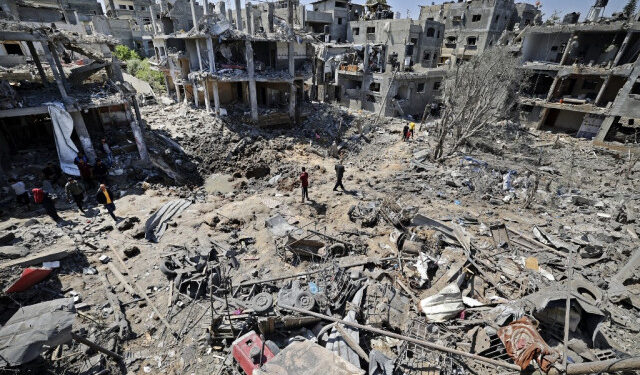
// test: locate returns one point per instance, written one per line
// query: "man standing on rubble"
(43, 198)
(106, 198)
(339, 174)
(304, 180)
(85, 169)
(75, 191)
(101, 171)
(405, 133)
(412, 128)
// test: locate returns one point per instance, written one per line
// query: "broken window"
(457, 20)
(431, 32)
(124, 7)
(130, 7)
(414, 41)
(339, 21)
(426, 56)
(471, 41)
(356, 31)
(371, 30)
(13, 49)
(340, 5)
(554, 48)
(374, 86)
(476, 17)
(436, 85)
(635, 90)
(420, 87)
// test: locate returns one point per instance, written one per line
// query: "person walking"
(75, 191)
(304, 180)
(85, 169)
(107, 151)
(339, 174)
(106, 198)
(412, 128)
(19, 188)
(43, 198)
(405, 133)
(101, 171)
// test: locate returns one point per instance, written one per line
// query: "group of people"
(408, 131)
(74, 189)
(304, 180)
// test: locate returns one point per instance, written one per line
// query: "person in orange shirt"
(106, 198)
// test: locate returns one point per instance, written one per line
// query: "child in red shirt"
(304, 179)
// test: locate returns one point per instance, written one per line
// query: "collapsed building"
(387, 68)
(67, 91)
(474, 26)
(259, 65)
(583, 79)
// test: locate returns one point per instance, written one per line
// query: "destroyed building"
(331, 18)
(474, 26)
(259, 67)
(74, 12)
(67, 91)
(583, 79)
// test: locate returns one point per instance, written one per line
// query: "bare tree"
(476, 93)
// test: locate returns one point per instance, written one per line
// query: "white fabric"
(19, 188)
(62, 129)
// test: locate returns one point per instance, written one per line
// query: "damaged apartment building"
(584, 79)
(475, 25)
(65, 94)
(125, 20)
(387, 65)
(251, 62)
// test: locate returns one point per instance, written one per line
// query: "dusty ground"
(456, 191)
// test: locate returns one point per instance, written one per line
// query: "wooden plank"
(47, 256)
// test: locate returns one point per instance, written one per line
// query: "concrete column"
(253, 96)
(222, 9)
(194, 87)
(216, 97)
(623, 48)
(271, 7)
(193, 14)
(186, 100)
(82, 132)
(56, 59)
(153, 19)
(565, 54)
(116, 70)
(229, 15)
(543, 118)
(249, 18)
(198, 51)
(178, 99)
(553, 88)
(366, 59)
(36, 60)
(166, 84)
(292, 87)
(604, 129)
(205, 6)
(211, 55)
(56, 74)
(207, 103)
(140, 143)
(238, 16)
(602, 89)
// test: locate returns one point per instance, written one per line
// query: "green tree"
(124, 53)
(630, 9)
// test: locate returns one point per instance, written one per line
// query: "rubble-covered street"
(462, 255)
(293, 188)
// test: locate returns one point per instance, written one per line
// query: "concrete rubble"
(515, 254)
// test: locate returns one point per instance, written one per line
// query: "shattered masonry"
(516, 254)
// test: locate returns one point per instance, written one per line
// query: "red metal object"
(524, 344)
(242, 350)
(29, 278)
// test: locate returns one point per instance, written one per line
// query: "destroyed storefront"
(68, 96)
